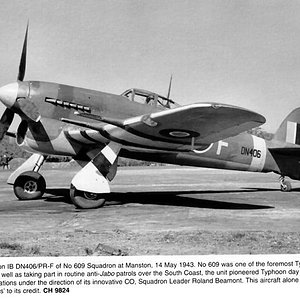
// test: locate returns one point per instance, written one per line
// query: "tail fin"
(289, 130)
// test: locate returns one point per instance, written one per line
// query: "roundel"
(178, 133)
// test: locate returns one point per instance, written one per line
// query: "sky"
(239, 52)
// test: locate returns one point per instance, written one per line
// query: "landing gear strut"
(285, 185)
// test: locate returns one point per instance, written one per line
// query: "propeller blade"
(5, 122)
(169, 90)
(22, 66)
(29, 109)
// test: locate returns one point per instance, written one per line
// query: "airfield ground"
(155, 211)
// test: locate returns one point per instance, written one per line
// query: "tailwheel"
(285, 185)
(86, 200)
(29, 185)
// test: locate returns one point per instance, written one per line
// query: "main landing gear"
(89, 187)
(27, 182)
(285, 185)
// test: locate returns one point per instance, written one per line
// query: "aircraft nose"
(9, 94)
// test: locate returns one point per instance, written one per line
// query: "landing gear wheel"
(86, 200)
(285, 186)
(29, 185)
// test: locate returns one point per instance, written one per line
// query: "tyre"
(86, 200)
(285, 186)
(29, 185)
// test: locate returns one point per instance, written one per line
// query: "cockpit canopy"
(149, 98)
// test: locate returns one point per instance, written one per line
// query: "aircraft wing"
(177, 128)
(206, 122)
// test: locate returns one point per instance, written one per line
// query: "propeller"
(8, 114)
(5, 122)
(9, 94)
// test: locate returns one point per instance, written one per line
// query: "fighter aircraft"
(95, 128)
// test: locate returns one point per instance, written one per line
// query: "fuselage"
(54, 137)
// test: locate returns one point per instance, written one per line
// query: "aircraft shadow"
(168, 198)
(57, 195)
(295, 189)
